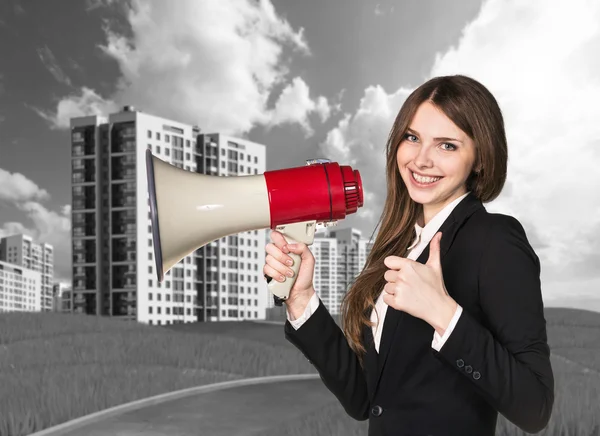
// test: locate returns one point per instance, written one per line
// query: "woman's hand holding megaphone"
(279, 253)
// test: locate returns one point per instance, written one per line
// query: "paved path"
(234, 411)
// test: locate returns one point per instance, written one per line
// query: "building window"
(167, 138)
(150, 134)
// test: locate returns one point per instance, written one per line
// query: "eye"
(411, 138)
(449, 144)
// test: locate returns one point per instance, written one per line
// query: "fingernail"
(290, 273)
(289, 262)
(291, 245)
(281, 278)
(285, 249)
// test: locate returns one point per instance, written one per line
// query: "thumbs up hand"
(419, 289)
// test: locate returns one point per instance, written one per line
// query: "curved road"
(233, 411)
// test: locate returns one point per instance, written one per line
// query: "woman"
(443, 330)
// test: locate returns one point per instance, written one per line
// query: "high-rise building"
(61, 298)
(114, 271)
(22, 250)
(20, 288)
(340, 255)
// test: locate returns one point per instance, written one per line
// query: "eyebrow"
(435, 139)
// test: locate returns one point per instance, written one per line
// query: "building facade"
(114, 271)
(20, 288)
(22, 250)
(61, 298)
(340, 255)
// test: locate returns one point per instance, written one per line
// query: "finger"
(279, 240)
(390, 289)
(434, 251)
(278, 266)
(396, 262)
(269, 271)
(300, 249)
(278, 254)
(389, 300)
(391, 275)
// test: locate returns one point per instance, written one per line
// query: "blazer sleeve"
(324, 344)
(508, 359)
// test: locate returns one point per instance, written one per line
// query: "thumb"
(434, 251)
(300, 249)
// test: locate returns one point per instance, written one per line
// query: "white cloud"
(542, 65)
(214, 63)
(87, 102)
(294, 105)
(15, 187)
(51, 64)
(48, 226)
(323, 108)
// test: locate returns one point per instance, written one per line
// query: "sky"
(313, 79)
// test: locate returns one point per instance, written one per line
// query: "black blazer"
(497, 358)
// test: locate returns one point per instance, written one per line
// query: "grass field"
(56, 367)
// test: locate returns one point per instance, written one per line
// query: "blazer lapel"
(393, 318)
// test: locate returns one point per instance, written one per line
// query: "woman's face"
(440, 154)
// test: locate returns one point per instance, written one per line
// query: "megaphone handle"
(281, 290)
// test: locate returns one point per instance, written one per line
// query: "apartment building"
(114, 272)
(20, 288)
(340, 255)
(22, 250)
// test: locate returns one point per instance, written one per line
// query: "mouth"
(423, 181)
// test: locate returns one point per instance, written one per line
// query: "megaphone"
(189, 210)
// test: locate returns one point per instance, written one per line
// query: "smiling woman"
(444, 327)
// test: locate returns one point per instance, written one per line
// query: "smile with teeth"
(422, 179)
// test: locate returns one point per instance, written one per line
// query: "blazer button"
(476, 375)
(377, 410)
(468, 369)
(460, 363)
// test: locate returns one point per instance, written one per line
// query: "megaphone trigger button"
(268, 278)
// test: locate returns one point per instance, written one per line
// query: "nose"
(422, 159)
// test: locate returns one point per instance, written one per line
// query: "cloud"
(214, 63)
(47, 226)
(544, 70)
(86, 102)
(51, 64)
(91, 5)
(294, 105)
(15, 188)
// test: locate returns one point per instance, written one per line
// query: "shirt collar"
(426, 233)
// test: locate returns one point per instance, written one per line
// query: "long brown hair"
(475, 111)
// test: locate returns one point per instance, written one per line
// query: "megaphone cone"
(189, 210)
